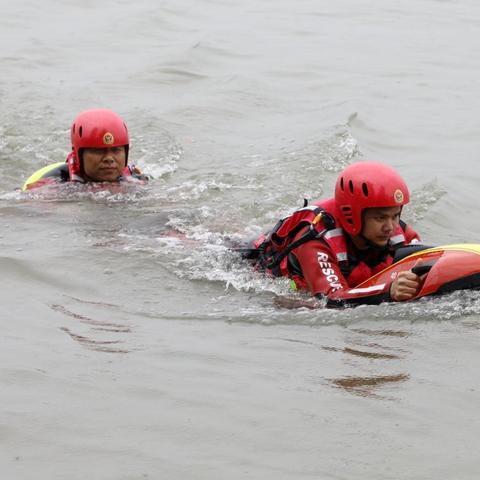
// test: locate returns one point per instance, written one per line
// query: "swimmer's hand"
(405, 286)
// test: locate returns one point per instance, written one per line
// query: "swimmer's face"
(380, 223)
(104, 164)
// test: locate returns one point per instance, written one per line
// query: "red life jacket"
(272, 249)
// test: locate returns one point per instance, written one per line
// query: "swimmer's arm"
(404, 287)
(320, 269)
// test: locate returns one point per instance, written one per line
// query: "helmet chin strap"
(373, 245)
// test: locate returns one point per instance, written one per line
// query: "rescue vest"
(320, 223)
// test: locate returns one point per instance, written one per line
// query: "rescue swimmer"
(100, 147)
(335, 244)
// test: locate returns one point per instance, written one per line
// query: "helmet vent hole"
(341, 183)
(80, 131)
(365, 189)
(347, 214)
(350, 185)
(73, 128)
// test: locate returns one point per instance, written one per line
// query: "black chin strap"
(374, 246)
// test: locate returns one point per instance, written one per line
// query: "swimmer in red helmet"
(335, 244)
(100, 146)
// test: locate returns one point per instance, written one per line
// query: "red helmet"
(367, 185)
(99, 128)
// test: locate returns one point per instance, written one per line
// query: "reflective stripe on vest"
(335, 239)
(397, 238)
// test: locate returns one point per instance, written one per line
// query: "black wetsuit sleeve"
(355, 301)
